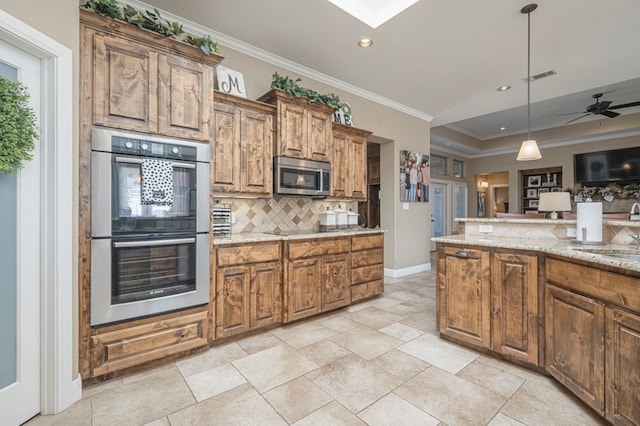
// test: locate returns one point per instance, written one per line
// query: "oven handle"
(154, 243)
(139, 161)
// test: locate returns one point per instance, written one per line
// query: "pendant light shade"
(529, 148)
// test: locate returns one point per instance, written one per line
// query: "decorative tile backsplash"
(280, 213)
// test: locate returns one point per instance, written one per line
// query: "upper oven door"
(117, 206)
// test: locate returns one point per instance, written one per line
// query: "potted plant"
(18, 129)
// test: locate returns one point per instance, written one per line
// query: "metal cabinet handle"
(462, 254)
(143, 243)
(140, 160)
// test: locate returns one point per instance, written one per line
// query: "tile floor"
(379, 363)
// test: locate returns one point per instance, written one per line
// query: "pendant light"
(529, 148)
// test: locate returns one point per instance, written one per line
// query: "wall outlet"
(405, 206)
(485, 228)
(572, 232)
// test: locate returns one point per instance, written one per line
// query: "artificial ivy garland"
(18, 130)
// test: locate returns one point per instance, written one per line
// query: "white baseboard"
(397, 273)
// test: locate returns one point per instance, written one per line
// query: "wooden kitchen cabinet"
(463, 294)
(349, 162)
(317, 276)
(303, 130)
(121, 346)
(248, 288)
(367, 266)
(241, 156)
(514, 305)
(146, 82)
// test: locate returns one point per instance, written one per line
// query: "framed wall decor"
(541, 190)
(533, 203)
(414, 177)
(482, 203)
(534, 180)
(532, 193)
(556, 189)
(230, 81)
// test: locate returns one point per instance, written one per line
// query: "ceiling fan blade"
(609, 114)
(582, 116)
(630, 104)
(572, 113)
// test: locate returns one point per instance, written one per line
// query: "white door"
(438, 196)
(20, 213)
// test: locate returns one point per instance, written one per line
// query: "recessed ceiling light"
(365, 42)
(503, 128)
(503, 88)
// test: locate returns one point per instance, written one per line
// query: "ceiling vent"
(541, 75)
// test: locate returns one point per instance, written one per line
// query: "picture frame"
(542, 190)
(528, 211)
(230, 81)
(555, 189)
(482, 203)
(534, 180)
(533, 203)
(532, 193)
(414, 177)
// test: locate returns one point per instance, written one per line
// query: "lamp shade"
(554, 202)
(529, 151)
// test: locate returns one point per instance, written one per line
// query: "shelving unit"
(533, 182)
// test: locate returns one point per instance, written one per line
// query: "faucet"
(633, 215)
(636, 238)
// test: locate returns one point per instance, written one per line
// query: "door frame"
(492, 201)
(448, 207)
(61, 384)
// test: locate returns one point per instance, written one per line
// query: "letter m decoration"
(230, 81)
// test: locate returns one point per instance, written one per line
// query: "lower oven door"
(132, 278)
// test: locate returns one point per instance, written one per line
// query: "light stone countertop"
(614, 222)
(557, 247)
(253, 237)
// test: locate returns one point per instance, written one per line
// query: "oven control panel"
(146, 148)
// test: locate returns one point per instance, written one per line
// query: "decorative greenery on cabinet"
(293, 88)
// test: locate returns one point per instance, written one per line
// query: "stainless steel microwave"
(292, 176)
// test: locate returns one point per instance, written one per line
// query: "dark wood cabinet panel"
(265, 295)
(335, 282)
(303, 288)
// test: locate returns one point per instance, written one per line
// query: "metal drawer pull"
(154, 243)
(140, 160)
(462, 254)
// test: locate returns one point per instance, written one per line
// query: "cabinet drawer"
(367, 273)
(365, 242)
(367, 257)
(607, 286)
(362, 291)
(247, 253)
(309, 248)
(120, 349)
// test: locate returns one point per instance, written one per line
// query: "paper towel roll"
(589, 222)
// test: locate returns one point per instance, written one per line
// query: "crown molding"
(263, 55)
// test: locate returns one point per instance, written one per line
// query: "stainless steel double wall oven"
(149, 225)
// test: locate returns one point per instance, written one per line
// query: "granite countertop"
(558, 247)
(253, 237)
(614, 222)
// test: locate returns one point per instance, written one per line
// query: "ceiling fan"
(601, 107)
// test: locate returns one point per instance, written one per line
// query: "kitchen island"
(522, 291)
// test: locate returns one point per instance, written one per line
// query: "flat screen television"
(620, 166)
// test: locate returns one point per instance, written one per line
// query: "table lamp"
(554, 202)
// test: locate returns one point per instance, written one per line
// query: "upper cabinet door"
(318, 134)
(225, 152)
(257, 167)
(185, 96)
(293, 130)
(357, 164)
(125, 85)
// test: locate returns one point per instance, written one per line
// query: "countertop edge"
(250, 237)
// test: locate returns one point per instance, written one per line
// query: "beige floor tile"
(400, 364)
(324, 352)
(341, 323)
(139, 402)
(332, 414)
(383, 302)
(451, 399)
(214, 381)
(272, 367)
(89, 391)
(215, 356)
(525, 373)
(354, 382)
(302, 334)
(239, 406)
(445, 355)
(393, 410)
(79, 414)
(424, 320)
(401, 331)
(366, 342)
(502, 420)
(297, 398)
(259, 342)
(548, 404)
(159, 422)
(402, 310)
(492, 378)
(145, 374)
(404, 295)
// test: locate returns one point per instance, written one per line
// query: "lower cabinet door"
(232, 300)
(622, 368)
(265, 295)
(303, 288)
(336, 282)
(574, 337)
